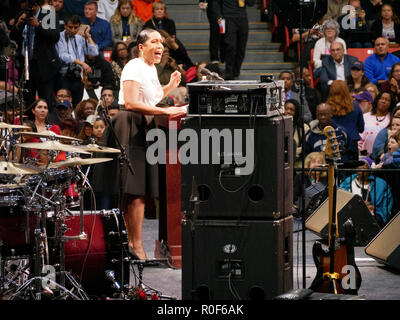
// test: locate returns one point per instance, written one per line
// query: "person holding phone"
(72, 49)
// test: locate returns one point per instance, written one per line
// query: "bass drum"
(106, 244)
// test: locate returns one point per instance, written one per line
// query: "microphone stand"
(123, 160)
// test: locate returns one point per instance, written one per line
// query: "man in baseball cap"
(364, 100)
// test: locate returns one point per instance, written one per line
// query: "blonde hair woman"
(125, 25)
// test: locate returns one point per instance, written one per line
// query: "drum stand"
(42, 285)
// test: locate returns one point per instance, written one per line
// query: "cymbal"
(52, 145)
(78, 162)
(96, 148)
(48, 134)
(4, 125)
(16, 168)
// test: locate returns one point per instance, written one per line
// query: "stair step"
(190, 36)
(251, 56)
(262, 45)
(205, 25)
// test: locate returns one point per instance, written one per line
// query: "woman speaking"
(140, 91)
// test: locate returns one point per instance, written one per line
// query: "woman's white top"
(151, 91)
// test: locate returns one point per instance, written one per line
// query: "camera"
(95, 77)
(74, 71)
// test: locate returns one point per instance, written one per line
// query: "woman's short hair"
(330, 23)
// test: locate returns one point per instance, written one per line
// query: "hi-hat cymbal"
(4, 125)
(78, 162)
(52, 145)
(16, 168)
(48, 134)
(96, 148)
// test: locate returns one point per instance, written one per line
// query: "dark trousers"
(44, 89)
(237, 31)
(216, 45)
(75, 86)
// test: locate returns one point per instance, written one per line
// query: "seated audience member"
(125, 26)
(63, 110)
(119, 58)
(315, 139)
(72, 7)
(101, 75)
(166, 67)
(336, 66)
(86, 131)
(364, 100)
(378, 65)
(71, 49)
(372, 89)
(375, 121)
(310, 38)
(84, 109)
(347, 114)
(99, 28)
(314, 160)
(354, 30)
(292, 93)
(334, 9)
(387, 26)
(159, 21)
(381, 140)
(330, 29)
(112, 110)
(177, 50)
(106, 8)
(312, 95)
(374, 191)
(392, 84)
(292, 108)
(69, 128)
(391, 159)
(357, 79)
(143, 9)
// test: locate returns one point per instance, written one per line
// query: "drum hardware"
(48, 135)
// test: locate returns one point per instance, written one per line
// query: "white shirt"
(106, 9)
(340, 70)
(151, 91)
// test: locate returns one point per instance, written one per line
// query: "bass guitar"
(336, 269)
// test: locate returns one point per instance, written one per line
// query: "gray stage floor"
(378, 281)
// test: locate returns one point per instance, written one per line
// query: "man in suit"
(336, 66)
(37, 37)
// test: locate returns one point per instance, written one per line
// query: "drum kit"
(48, 250)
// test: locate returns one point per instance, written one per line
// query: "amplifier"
(236, 98)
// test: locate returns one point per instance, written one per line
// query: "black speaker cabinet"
(226, 191)
(385, 247)
(227, 260)
(348, 206)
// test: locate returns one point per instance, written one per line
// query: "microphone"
(206, 72)
(111, 276)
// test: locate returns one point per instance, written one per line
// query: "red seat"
(107, 55)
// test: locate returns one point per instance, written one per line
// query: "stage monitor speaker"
(385, 247)
(227, 192)
(348, 206)
(227, 260)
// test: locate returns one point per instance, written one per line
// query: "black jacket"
(44, 50)
(164, 24)
(376, 30)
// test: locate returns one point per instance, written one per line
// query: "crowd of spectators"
(61, 67)
(358, 95)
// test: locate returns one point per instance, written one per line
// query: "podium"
(169, 241)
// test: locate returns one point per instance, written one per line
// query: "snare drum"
(103, 230)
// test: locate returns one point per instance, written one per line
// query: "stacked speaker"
(237, 230)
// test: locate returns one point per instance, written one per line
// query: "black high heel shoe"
(132, 254)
